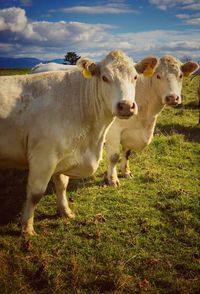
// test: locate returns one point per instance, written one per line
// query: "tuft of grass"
(140, 238)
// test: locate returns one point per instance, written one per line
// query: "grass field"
(140, 238)
(14, 71)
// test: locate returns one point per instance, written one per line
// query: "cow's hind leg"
(126, 173)
(40, 172)
(61, 182)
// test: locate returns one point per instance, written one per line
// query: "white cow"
(152, 94)
(51, 66)
(54, 123)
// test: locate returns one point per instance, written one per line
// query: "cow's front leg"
(61, 182)
(125, 170)
(112, 177)
(40, 172)
(112, 147)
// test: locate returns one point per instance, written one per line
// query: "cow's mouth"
(125, 116)
(172, 104)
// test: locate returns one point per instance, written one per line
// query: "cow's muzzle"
(172, 100)
(126, 109)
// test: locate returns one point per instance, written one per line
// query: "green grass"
(13, 71)
(146, 239)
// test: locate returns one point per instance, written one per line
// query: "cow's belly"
(13, 159)
(12, 156)
(79, 166)
(13, 163)
(12, 147)
(136, 140)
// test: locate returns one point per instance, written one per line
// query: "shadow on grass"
(75, 184)
(192, 105)
(171, 207)
(104, 284)
(13, 193)
(47, 216)
(190, 133)
(11, 233)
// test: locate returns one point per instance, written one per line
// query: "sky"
(48, 29)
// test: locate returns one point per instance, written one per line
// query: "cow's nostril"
(120, 106)
(177, 98)
(133, 106)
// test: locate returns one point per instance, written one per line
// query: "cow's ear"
(147, 66)
(89, 67)
(189, 67)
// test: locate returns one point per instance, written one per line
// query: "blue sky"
(48, 29)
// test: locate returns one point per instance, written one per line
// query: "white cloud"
(189, 18)
(183, 4)
(3, 24)
(111, 7)
(96, 9)
(46, 40)
(181, 45)
(14, 22)
(69, 32)
(192, 6)
(193, 21)
(158, 42)
(13, 19)
(183, 16)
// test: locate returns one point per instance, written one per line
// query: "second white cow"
(51, 66)
(152, 94)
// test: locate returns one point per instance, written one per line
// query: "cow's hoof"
(68, 213)
(114, 183)
(71, 215)
(128, 175)
(28, 232)
(111, 181)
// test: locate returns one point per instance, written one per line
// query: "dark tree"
(71, 57)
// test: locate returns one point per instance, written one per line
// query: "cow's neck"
(149, 103)
(97, 115)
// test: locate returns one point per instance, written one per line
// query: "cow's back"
(25, 103)
(51, 66)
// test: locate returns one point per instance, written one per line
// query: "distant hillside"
(58, 60)
(9, 62)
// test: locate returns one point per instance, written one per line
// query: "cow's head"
(117, 76)
(168, 77)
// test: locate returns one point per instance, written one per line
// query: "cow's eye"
(181, 75)
(135, 77)
(105, 79)
(158, 77)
